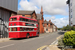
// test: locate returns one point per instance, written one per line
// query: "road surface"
(31, 43)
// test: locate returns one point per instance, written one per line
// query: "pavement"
(54, 45)
(4, 39)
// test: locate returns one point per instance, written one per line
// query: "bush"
(60, 42)
(73, 28)
(68, 28)
(69, 38)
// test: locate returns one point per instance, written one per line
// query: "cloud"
(50, 7)
(25, 5)
(53, 17)
(58, 22)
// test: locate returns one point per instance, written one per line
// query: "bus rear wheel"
(27, 36)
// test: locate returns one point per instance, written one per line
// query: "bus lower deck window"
(13, 29)
(21, 29)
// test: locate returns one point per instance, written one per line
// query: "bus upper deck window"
(27, 20)
(23, 19)
(20, 19)
(11, 19)
(14, 19)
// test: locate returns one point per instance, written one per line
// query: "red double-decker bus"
(20, 27)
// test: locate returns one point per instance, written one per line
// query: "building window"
(71, 23)
(71, 16)
(43, 25)
(71, 4)
(47, 23)
(47, 29)
(71, 10)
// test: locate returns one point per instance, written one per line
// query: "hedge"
(69, 38)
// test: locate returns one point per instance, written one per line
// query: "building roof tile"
(39, 16)
(24, 12)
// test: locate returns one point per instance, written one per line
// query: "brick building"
(29, 14)
(7, 8)
(44, 26)
(49, 26)
(40, 21)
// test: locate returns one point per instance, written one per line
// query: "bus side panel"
(14, 35)
(33, 33)
(23, 34)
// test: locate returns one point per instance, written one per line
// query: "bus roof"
(18, 16)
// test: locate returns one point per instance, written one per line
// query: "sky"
(54, 10)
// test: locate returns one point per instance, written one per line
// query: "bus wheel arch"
(37, 34)
(27, 35)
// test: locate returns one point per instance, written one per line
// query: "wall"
(4, 18)
(41, 28)
(13, 14)
(47, 27)
(73, 11)
(9, 4)
(4, 14)
(29, 16)
(34, 16)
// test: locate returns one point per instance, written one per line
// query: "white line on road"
(6, 46)
(54, 42)
(33, 39)
(28, 40)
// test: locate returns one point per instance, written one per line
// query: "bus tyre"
(27, 36)
(37, 34)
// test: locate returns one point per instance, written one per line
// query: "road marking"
(29, 40)
(47, 35)
(6, 46)
(42, 47)
(54, 42)
(33, 39)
